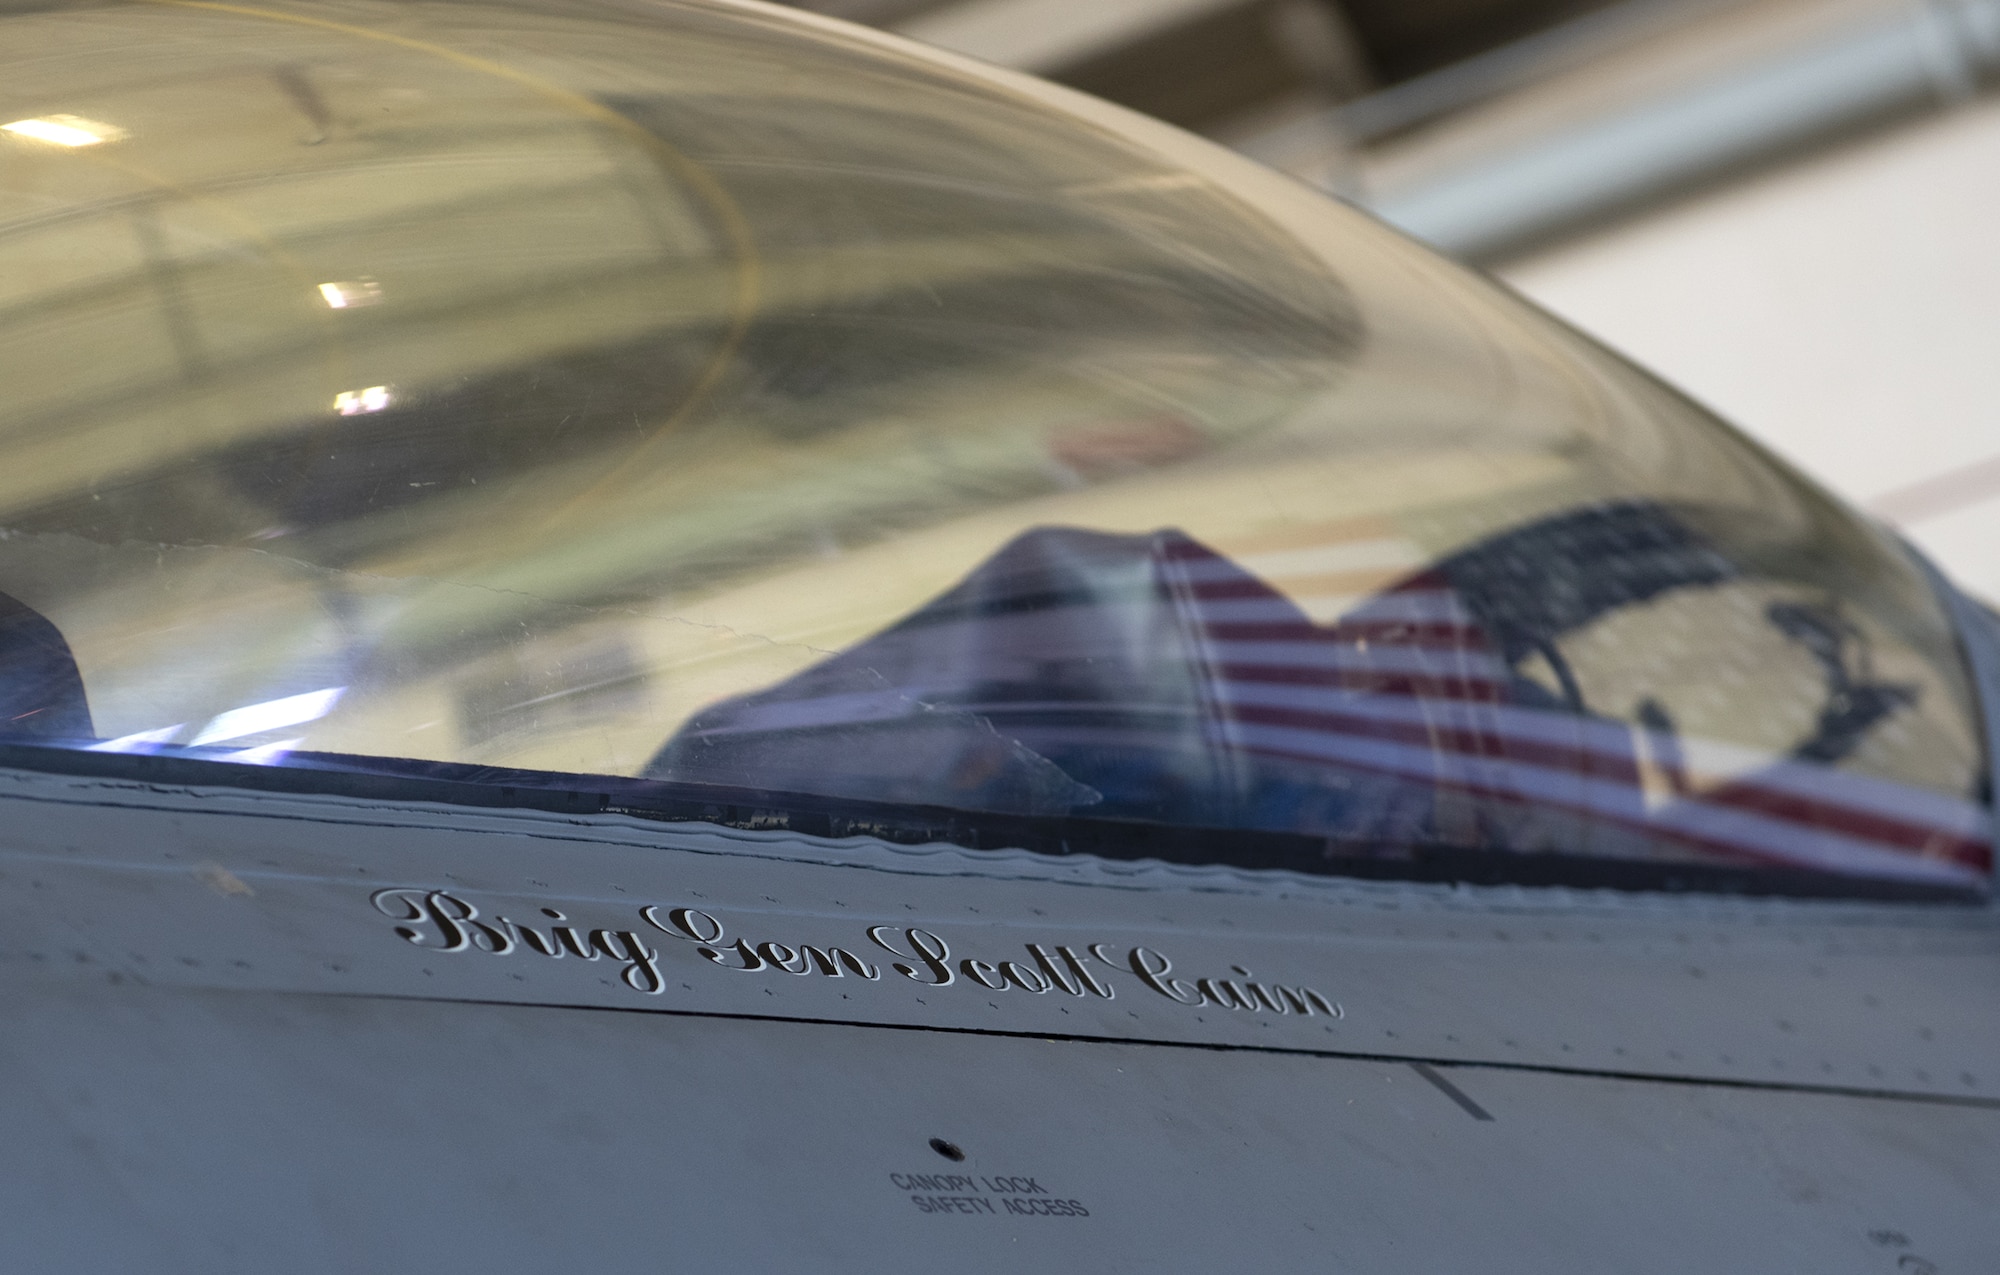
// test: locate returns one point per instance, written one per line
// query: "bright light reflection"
(65, 130)
(254, 719)
(135, 742)
(351, 294)
(358, 402)
(264, 754)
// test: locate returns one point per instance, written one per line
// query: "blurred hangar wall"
(1790, 208)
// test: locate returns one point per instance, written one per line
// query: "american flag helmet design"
(1149, 677)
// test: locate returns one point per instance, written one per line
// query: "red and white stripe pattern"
(1407, 686)
(1151, 665)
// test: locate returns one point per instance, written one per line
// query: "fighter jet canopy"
(714, 413)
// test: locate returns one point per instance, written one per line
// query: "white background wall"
(1845, 310)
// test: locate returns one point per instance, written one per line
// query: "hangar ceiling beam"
(1910, 59)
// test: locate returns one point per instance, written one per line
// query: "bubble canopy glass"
(717, 413)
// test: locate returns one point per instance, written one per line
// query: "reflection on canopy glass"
(737, 405)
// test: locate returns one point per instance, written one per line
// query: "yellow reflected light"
(360, 402)
(351, 294)
(65, 130)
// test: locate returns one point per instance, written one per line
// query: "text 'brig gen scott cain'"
(439, 921)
